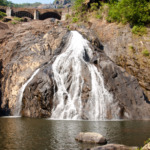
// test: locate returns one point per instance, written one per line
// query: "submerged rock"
(114, 147)
(91, 137)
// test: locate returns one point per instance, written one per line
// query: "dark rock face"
(38, 96)
(3, 111)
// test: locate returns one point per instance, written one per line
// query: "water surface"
(41, 134)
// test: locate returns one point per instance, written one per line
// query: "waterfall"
(67, 69)
(20, 95)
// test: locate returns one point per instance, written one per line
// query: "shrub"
(136, 12)
(13, 23)
(18, 19)
(78, 5)
(2, 14)
(74, 19)
(146, 53)
(67, 16)
(139, 30)
(147, 141)
(94, 6)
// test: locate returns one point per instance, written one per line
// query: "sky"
(32, 1)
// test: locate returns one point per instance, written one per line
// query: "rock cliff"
(36, 45)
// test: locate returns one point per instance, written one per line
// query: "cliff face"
(126, 50)
(36, 45)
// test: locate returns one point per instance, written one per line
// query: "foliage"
(147, 141)
(79, 6)
(18, 19)
(94, 6)
(102, 12)
(146, 53)
(2, 14)
(67, 16)
(74, 19)
(13, 23)
(139, 30)
(136, 12)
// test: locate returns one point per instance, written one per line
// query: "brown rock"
(91, 137)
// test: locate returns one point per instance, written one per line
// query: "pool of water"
(42, 134)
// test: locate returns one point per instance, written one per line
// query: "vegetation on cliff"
(134, 12)
(2, 14)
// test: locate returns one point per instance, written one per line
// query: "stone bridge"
(32, 13)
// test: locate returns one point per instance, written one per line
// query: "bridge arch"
(23, 14)
(49, 15)
(3, 10)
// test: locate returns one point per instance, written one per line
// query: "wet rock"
(91, 137)
(114, 147)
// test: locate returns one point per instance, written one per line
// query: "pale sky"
(32, 1)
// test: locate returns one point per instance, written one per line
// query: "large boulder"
(114, 147)
(91, 137)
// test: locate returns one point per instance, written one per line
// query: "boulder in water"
(114, 147)
(91, 137)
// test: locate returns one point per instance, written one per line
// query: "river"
(42, 134)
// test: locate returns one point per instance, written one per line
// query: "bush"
(79, 6)
(147, 141)
(94, 6)
(13, 23)
(18, 19)
(139, 30)
(2, 14)
(136, 12)
(67, 16)
(146, 53)
(74, 19)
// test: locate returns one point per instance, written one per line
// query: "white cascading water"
(68, 103)
(21, 91)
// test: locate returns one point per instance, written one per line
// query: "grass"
(13, 23)
(18, 19)
(74, 19)
(146, 53)
(139, 30)
(147, 141)
(67, 16)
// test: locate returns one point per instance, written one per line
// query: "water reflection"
(26, 134)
